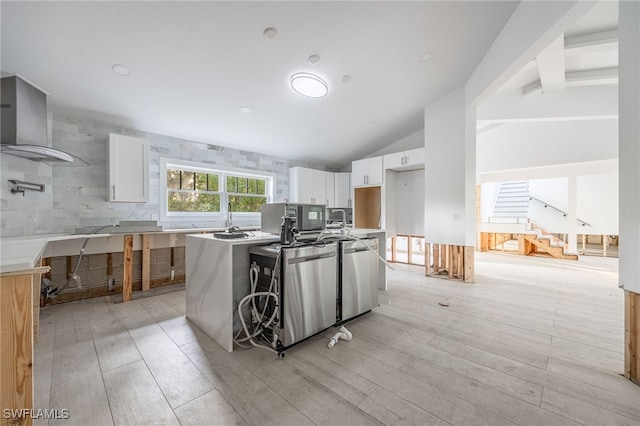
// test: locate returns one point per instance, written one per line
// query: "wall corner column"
(629, 175)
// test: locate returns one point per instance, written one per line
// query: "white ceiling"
(195, 64)
(575, 78)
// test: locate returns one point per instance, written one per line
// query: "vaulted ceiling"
(204, 71)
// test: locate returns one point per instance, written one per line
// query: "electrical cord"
(74, 274)
(352, 238)
(258, 317)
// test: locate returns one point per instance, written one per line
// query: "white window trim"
(166, 216)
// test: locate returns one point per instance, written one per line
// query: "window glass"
(199, 190)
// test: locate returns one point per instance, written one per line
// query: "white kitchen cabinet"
(342, 190)
(128, 169)
(309, 186)
(330, 182)
(407, 160)
(367, 172)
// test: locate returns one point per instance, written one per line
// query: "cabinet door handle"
(114, 192)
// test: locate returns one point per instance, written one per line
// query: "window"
(246, 194)
(189, 191)
(196, 190)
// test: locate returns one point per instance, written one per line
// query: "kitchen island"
(217, 278)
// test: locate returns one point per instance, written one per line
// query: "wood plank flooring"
(532, 342)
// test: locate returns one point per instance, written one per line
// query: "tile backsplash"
(76, 196)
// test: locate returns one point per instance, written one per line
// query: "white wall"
(597, 197)
(409, 189)
(450, 171)
(488, 195)
(526, 145)
(414, 140)
(598, 204)
(629, 53)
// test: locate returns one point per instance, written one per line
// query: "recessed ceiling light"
(316, 132)
(314, 59)
(346, 78)
(245, 109)
(122, 70)
(270, 33)
(309, 85)
(426, 57)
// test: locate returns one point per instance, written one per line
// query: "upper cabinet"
(310, 186)
(342, 190)
(128, 169)
(367, 172)
(407, 160)
(330, 187)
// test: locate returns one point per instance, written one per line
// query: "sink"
(229, 235)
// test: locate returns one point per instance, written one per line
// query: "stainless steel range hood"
(24, 122)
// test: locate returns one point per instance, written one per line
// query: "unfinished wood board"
(146, 262)
(367, 207)
(126, 269)
(16, 346)
(631, 336)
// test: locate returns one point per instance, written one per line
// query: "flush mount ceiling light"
(309, 85)
(121, 70)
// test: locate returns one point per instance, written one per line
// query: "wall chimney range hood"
(24, 122)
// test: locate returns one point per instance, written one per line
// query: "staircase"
(512, 203)
(544, 242)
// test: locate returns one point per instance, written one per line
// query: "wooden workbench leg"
(146, 262)
(127, 277)
(632, 336)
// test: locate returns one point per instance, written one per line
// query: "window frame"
(222, 172)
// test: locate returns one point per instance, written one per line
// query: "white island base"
(217, 278)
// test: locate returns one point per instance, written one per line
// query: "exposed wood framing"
(104, 291)
(146, 261)
(109, 264)
(126, 269)
(450, 261)
(69, 267)
(16, 346)
(393, 249)
(632, 336)
(436, 258)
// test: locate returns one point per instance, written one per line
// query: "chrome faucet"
(344, 217)
(229, 222)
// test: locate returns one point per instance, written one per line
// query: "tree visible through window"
(190, 191)
(198, 190)
(246, 194)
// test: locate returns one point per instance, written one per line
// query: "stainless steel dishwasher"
(359, 276)
(308, 294)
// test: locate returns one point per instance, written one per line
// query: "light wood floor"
(540, 345)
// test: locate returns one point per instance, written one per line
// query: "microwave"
(309, 217)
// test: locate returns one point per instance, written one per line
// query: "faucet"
(229, 222)
(344, 217)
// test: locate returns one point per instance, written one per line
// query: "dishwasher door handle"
(310, 258)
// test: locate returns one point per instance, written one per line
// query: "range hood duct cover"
(24, 121)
